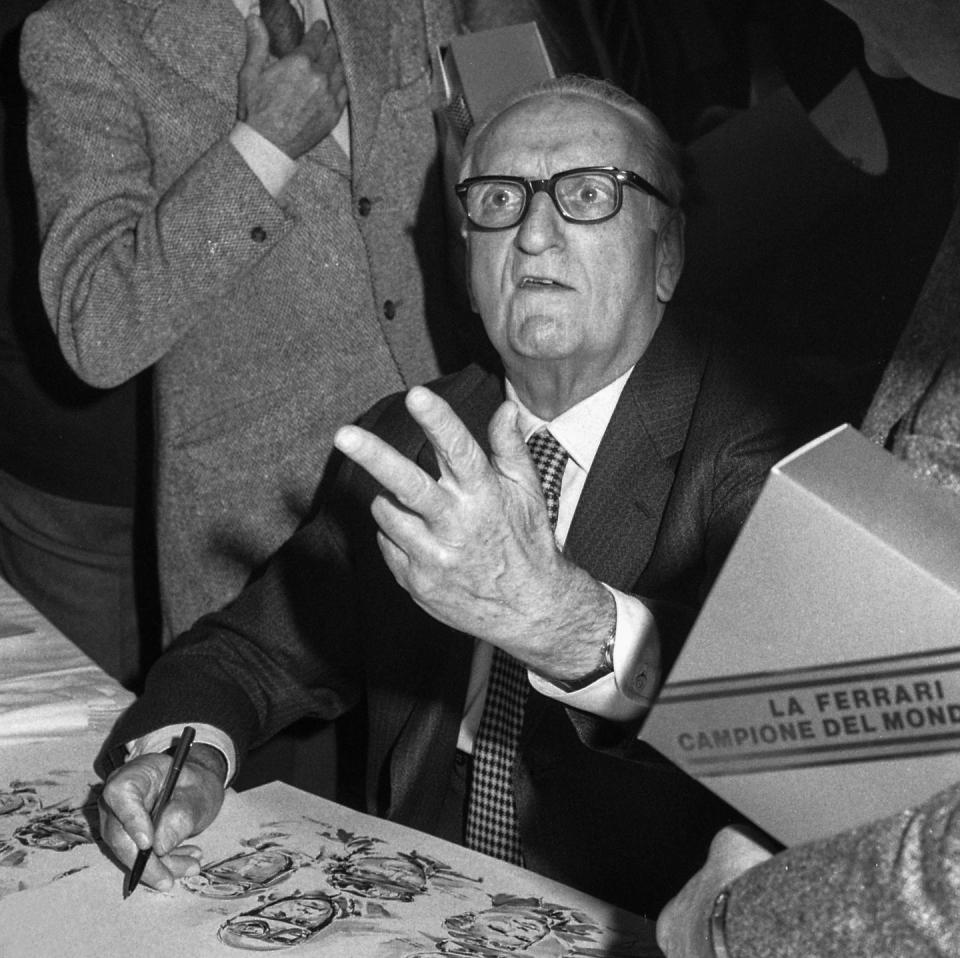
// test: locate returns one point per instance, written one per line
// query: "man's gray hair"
(657, 149)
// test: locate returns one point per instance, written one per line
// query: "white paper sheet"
(313, 878)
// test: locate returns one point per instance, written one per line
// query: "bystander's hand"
(683, 925)
(294, 102)
(128, 796)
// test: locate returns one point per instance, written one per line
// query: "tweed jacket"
(326, 630)
(269, 323)
(889, 889)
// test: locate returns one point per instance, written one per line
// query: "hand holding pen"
(132, 793)
(159, 806)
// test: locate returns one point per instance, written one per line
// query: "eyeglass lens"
(579, 196)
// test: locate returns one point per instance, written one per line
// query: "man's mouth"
(540, 282)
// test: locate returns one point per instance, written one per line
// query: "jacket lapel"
(203, 41)
(435, 667)
(616, 522)
(364, 43)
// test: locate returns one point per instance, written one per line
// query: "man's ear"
(670, 253)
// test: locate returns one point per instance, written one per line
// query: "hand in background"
(296, 101)
(128, 796)
(683, 925)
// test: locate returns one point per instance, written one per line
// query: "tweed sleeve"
(147, 212)
(890, 889)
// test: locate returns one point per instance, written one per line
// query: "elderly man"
(441, 580)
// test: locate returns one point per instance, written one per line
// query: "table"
(56, 707)
(315, 874)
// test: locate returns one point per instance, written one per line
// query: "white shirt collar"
(580, 429)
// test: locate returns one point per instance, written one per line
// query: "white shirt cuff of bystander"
(269, 163)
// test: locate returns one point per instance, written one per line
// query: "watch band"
(718, 925)
(604, 666)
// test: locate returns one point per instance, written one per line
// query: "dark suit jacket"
(326, 628)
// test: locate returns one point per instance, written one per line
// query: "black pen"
(166, 790)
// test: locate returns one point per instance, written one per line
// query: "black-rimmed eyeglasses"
(587, 194)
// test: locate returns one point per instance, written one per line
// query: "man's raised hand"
(474, 547)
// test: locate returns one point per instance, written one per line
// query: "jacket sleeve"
(285, 648)
(889, 889)
(289, 645)
(134, 243)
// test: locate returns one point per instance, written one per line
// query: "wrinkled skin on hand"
(129, 794)
(475, 548)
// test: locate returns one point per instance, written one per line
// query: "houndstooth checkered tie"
(491, 813)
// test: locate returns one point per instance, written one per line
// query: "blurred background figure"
(889, 889)
(824, 189)
(75, 528)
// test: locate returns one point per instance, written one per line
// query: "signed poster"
(48, 827)
(287, 871)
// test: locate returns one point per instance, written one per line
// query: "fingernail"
(345, 440)
(141, 841)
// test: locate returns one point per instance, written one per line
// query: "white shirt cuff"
(624, 694)
(269, 163)
(164, 738)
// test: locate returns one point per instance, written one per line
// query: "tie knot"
(551, 459)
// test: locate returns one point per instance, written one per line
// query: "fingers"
(317, 44)
(258, 46)
(510, 453)
(459, 456)
(294, 102)
(737, 849)
(129, 793)
(458, 453)
(176, 825)
(125, 821)
(404, 479)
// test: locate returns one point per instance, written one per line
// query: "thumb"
(258, 51)
(735, 850)
(510, 455)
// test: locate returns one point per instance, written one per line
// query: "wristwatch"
(604, 666)
(718, 925)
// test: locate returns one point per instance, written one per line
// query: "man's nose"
(542, 227)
